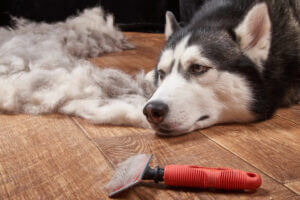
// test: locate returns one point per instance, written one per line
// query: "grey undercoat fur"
(42, 70)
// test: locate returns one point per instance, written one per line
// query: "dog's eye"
(198, 69)
(161, 74)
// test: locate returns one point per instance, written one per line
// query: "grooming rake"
(136, 168)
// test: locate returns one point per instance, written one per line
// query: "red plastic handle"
(202, 177)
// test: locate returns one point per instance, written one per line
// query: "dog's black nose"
(156, 111)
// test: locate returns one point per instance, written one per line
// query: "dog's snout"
(156, 111)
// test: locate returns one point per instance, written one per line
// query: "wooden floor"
(62, 157)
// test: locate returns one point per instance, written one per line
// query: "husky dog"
(236, 61)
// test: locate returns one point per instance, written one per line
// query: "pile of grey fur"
(42, 70)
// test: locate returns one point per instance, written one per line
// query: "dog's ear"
(171, 24)
(254, 33)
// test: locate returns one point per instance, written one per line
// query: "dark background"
(130, 15)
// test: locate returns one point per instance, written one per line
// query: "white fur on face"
(222, 96)
(166, 60)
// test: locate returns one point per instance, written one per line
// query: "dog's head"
(207, 75)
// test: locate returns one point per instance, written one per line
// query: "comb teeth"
(128, 173)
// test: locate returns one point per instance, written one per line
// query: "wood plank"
(295, 186)
(48, 157)
(143, 57)
(292, 114)
(119, 143)
(273, 146)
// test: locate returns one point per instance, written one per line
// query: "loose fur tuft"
(41, 71)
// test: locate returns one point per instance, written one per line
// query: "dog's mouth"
(167, 130)
(164, 131)
(161, 130)
(170, 133)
